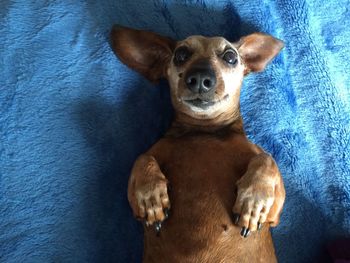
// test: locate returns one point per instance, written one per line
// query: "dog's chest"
(202, 172)
(204, 162)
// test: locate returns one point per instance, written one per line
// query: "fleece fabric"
(73, 119)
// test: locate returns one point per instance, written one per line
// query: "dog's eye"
(182, 54)
(230, 56)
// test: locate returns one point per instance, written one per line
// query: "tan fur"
(207, 48)
(212, 169)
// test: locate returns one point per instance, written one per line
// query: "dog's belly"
(202, 176)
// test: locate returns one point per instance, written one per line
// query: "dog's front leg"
(147, 191)
(260, 195)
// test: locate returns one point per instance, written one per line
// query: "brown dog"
(223, 187)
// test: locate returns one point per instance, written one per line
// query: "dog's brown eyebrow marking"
(222, 51)
(183, 45)
(227, 47)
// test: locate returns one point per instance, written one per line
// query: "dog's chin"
(201, 108)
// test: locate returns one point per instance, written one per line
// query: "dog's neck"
(225, 123)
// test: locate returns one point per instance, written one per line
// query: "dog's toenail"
(166, 212)
(243, 231)
(236, 218)
(259, 226)
(157, 227)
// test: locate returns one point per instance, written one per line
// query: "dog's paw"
(153, 202)
(253, 205)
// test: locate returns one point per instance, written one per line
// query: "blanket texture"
(73, 119)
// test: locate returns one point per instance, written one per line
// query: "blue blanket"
(73, 119)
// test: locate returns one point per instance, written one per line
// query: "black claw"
(157, 227)
(236, 218)
(245, 232)
(260, 226)
(166, 213)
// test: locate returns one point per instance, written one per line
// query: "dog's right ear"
(143, 51)
(257, 50)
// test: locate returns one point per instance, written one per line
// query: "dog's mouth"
(203, 103)
(199, 103)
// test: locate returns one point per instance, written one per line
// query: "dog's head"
(204, 74)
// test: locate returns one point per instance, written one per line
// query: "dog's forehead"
(202, 43)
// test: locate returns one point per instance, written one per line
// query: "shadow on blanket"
(207, 21)
(117, 140)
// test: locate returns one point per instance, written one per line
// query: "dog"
(203, 187)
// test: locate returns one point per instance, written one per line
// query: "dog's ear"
(257, 50)
(143, 51)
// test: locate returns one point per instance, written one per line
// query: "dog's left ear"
(143, 51)
(257, 50)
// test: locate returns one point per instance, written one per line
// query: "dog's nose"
(201, 79)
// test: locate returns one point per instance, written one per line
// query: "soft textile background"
(73, 119)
